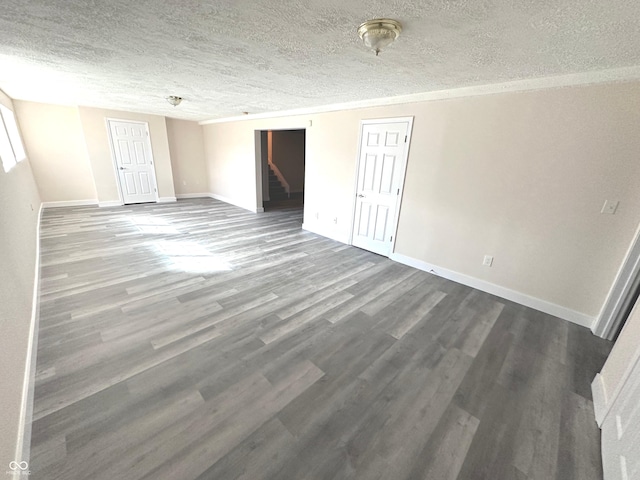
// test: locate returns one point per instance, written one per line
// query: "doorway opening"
(282, 164)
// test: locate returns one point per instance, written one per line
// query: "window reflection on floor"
(191, 257)
(157, 225)
(181, 255)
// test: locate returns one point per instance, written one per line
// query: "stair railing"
(281, 178)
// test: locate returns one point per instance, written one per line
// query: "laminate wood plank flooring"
(196, 340)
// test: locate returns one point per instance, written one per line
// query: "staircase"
(276, 190)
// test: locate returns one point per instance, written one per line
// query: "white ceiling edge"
(570, 80)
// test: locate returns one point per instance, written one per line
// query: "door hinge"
(391, 239)
(155, 189)
(405, 138)
(398, 192)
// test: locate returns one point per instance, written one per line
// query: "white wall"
(186, 146)
(72, 160)
(520, 176)
(95, 133)
(19, 206)
(57, 151)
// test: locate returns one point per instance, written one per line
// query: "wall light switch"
(610, 206)
(488, 261)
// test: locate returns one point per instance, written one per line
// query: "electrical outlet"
(610, 207)
(488, 261)
(335, 220)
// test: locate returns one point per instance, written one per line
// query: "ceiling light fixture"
(377, 34)
(174, 100)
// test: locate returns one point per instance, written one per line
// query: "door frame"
(603, 401)
(625, 285)
(261, 172)
(403, 172)
(114, 162)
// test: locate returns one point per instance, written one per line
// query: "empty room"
(320, 240)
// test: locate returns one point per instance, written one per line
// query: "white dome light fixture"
(174, 100)
(378, 33)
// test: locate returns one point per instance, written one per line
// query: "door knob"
(360, 195)
(122, 168)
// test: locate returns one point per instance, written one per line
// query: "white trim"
(69, 203)
(167, 199)
(611, 400)
(600, 404)
(259, 171)
(233, 202)
(192, 195)
(624, 74)
(620, 294)
(333, 236)
(110, 203)
(403, 172)
(23, 440)
(503, 292)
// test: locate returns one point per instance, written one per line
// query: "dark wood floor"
(198, 341)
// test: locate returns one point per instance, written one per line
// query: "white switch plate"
(610, 206)
(488, 261)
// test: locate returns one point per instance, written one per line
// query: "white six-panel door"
(134, 161)
(382, 159)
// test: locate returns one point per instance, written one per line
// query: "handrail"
(283, 181)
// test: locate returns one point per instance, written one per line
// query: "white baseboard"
(599, 393)
(23, 440)
(309, 227)
(166, 199)
(69, 203)
(192, 195)
(233, 202)
(503, 292)
(110, 203)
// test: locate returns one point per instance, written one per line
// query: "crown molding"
(575, 79)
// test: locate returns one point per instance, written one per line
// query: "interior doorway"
(282, 164)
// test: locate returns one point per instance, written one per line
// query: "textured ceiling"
(230, 56)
